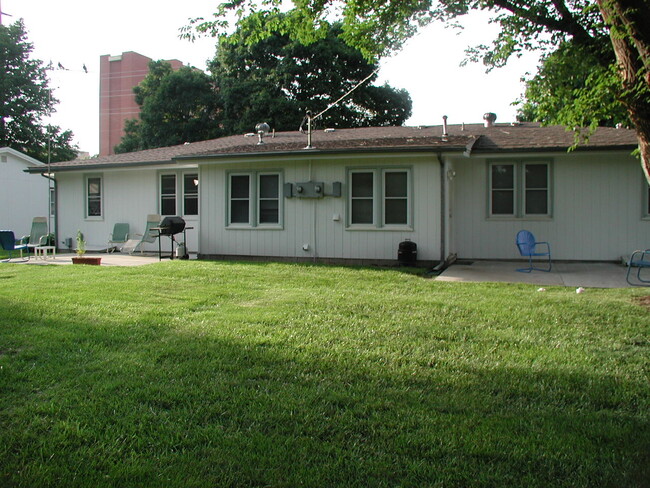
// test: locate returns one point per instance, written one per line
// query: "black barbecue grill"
(170, 226)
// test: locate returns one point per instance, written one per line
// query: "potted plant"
(81, 250)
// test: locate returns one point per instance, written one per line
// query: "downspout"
(56, 208)
(443, 210)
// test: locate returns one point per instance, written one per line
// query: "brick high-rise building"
(118, 75)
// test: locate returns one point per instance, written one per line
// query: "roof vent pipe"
(489, 118)
(262, 129)
(444, 128)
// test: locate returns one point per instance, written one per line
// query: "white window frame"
(520, 191)
(379, 199)
(87, 197)
(254, 200)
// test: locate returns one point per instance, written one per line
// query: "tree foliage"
(25, 99)
(574, 88)
(276, 79)
(377, 27)
(175, 107)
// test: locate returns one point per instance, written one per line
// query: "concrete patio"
(573, 274)
(570, 274)
(108, 259)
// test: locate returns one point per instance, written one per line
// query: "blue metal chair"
(640, 260)
(528, 248)
(9, 243)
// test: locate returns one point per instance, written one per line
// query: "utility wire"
(349, 91)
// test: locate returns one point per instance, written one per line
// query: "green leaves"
(572, 88)
(25, 99)
(275, 79)
(175, 107)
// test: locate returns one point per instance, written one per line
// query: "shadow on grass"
(204, 405)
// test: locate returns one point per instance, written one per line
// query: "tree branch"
(567, 23)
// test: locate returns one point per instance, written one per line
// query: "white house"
(23, 196)
(354, 194)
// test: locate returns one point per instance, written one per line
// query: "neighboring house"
(23, 196)
(357, 193)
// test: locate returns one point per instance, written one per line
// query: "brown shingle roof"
(476, 137)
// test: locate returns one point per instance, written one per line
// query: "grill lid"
(171, 225)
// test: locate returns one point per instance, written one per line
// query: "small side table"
(40, 252)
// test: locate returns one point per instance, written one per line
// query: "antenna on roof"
(3, 13)
(308, 117)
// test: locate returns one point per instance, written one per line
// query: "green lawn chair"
(149, 235)
(118, 237)
(38, 236)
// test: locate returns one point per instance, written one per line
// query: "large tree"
(275, 79)
(175, 107)
(25, 99)
(381, 26)
(576, 88)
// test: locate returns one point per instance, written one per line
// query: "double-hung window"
(168, 194)
(254, 199)
(93, 196)
(379, 198)
(519, 189)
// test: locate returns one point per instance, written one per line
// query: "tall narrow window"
(168, 194)
(395, 197)
(94, 196)
(269, 199)
(536, 189)
(502, 197)
(52, 202)
(362, 197)
(191, 194)
(240, 193)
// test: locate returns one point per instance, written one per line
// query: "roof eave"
(625, 147)
(89, 167)
(316, 151)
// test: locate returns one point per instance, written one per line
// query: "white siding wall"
(310, 221)
(128, 196)
(23, 196)
(597, 202)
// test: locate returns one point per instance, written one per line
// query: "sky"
(75, 33)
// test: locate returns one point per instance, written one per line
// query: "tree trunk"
(629, 22)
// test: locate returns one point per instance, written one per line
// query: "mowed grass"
(198, 374)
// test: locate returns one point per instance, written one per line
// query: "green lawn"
(204, 374)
